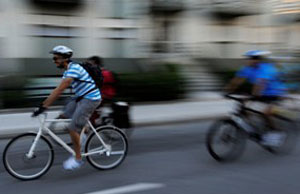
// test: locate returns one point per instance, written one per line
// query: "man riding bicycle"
(266, 87)
(80, 108)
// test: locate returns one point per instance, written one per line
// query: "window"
(121, 8)
(118, 40)
(56, 7)
(120, 33)
(57, 2)
(52, 31)
(45, 37)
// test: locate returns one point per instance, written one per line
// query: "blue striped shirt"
(77, 72)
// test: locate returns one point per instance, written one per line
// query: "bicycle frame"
(58, 140)
(239, 115)
(242, 112)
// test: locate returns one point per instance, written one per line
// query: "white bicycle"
(30, 155)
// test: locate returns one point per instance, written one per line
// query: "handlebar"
(238, 97)
(42, 117)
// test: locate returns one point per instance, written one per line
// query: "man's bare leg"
(76, 142)
(268, 118)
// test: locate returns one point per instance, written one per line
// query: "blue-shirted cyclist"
(266, 87)
(78, 110)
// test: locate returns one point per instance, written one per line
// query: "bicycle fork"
(242, 124)
(30, 153)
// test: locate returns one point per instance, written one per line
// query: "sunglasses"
(57, 58)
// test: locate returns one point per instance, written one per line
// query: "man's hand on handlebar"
(38, 111)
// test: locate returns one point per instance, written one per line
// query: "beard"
(60, 66)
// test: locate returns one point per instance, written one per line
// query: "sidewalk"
(178, 112)
(197, 107)
(204, 106)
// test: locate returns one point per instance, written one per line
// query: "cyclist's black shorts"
(268, 99)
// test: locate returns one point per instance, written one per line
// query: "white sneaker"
(72, 163)
(272, 139)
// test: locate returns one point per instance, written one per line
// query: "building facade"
(226, 28)
(148, 28)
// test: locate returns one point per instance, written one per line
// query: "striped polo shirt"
(77, 72)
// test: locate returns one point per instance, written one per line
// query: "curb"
(141, 116)
(179, 121)
(13, 133)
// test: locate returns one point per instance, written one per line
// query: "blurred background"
(158, 49)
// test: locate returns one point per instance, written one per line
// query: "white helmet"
(62, 50)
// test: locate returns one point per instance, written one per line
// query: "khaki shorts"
(79, 112)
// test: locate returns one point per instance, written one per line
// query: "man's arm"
(259, 87)
(264, 75)
(234, 84)
(65, 83)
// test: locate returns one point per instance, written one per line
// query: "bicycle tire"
(109, 121)
(239, 141)
(106, 133)
(11, 169)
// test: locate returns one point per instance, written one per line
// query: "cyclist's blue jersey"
(267, 72)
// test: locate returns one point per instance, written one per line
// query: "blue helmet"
(256, 53)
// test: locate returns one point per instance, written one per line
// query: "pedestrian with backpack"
(80, 108)
(108, 88)
(120, 110)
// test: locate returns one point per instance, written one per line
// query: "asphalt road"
(169, 160)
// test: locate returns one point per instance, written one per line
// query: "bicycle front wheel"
(102, 158)
(20, 165)
(225, 141)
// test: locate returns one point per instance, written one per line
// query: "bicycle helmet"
(62, 50)
(257, 53)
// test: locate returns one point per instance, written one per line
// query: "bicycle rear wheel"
(106, 159)
(19, 165)
(225, 141)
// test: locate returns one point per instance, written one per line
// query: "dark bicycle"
(226, 139)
